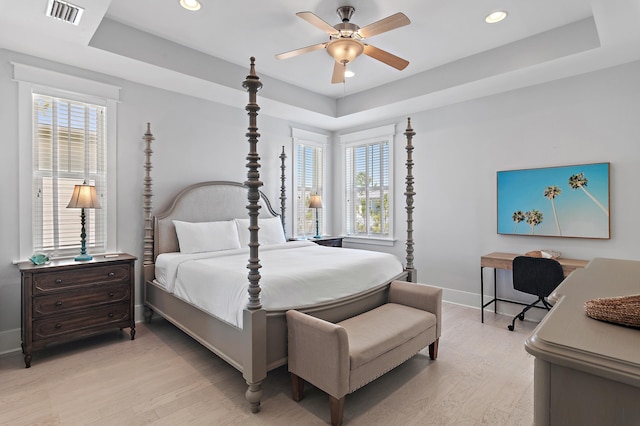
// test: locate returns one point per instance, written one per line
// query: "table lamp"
(84, 197)
(316, 203)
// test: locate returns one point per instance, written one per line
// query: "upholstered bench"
(340, 358)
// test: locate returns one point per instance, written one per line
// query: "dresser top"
(56, 263)
(567, 333)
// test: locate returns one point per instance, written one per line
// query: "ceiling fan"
(346, 40)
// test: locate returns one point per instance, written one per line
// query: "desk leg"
(481, 295)
(495, 291)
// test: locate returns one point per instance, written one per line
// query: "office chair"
(538, 276)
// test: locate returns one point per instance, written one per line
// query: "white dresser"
(587, 372)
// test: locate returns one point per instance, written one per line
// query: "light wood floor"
(483, 376)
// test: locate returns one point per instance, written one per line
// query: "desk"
(499, 260)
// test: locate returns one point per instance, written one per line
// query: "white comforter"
(294, 274)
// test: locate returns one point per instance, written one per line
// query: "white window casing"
(87, 100)
(367, 183)
(309, 178)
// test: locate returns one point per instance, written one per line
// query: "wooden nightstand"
(65, 299)
(328, 241)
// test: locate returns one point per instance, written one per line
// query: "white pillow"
(197, 237)
(270, 232)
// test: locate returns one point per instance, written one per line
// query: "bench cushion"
(382, 329)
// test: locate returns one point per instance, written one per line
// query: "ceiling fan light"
(345, 50)
(190, 4)
(495, 17)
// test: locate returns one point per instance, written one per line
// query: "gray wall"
(458, 149)
(585, 119)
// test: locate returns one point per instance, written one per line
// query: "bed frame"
(261, 345)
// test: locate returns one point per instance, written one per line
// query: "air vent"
(64, 11)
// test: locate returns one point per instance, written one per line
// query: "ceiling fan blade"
(386, 57)
(292, 53)
(317, 22)
(338, 72)
(387, 24)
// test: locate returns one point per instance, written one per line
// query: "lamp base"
(317, 236)
(83, 257)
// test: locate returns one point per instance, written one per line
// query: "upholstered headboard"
(203, 202)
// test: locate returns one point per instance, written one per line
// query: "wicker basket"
(624, 310)
(549, 254)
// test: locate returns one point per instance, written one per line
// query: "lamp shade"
(84, 196)
(315, 202)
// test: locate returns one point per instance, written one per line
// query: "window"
(66, 134)
(69, 148)
(368, 183)
(309, 175)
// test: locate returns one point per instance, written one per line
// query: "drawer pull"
(58, 281)
(110, 314)
(59, 303)
(112, 274)
(58, 325)
(110, 294)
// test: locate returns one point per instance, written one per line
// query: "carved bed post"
(283, 194)
(409, 193)
(254, 317)
(253, 84)
(147, 259)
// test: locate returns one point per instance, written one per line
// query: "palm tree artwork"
(551, 192)
(580, 181)
(529, 195)
(533, 218)
(518, 216)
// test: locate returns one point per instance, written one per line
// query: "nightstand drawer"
(87, 277)
(51, 327)
(70, 301)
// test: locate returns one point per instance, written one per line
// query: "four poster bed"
(184, 272)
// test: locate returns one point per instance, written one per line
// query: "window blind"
(309, 182)
(367, 189)
(69, 148)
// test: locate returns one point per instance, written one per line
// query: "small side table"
(65, 299)
(324, 241)
(328, 241)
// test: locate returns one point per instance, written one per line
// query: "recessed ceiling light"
(496, 16)
(190, 4)
(349, 74)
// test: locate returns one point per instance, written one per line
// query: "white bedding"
(293, 274)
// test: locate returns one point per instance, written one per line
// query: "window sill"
(389, 242)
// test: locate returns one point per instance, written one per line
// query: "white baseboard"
(138, 313)
(10, 341)
(472, 300)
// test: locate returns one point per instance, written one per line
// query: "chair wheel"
(521, 317)
(510, 327)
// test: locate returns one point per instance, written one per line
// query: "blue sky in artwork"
(578, 215)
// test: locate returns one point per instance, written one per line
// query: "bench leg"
(433, 350)
(297, 388)
(337, 410)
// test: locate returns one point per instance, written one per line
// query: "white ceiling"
(454, 55)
